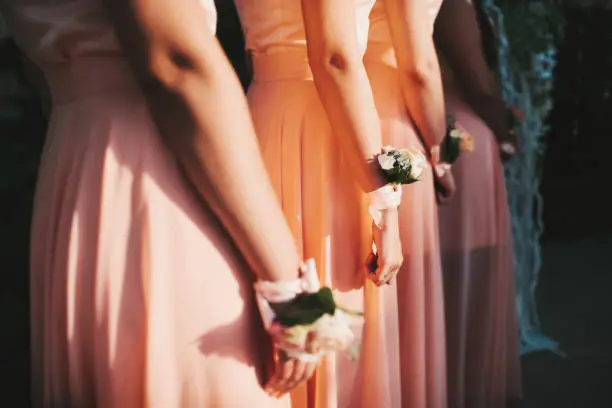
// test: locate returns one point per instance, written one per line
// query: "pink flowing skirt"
(139, 298)
(325, 209)
(479, 285)
(418, 377)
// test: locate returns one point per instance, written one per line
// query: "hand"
(445, 188)
(509, 142)
(384, 265)
(288, 373)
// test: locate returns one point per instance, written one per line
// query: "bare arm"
(346, 94)
(199, 107)
(420, 78)
(458, 38)
(343, 85)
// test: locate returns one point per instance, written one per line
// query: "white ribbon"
(385, 198)
(441, 169)
(283, 291)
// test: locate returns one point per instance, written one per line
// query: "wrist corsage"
(397, 166)
(456, 142)
(302, 317)
(401, 166)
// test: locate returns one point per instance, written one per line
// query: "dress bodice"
(275, 25)
(379, 25)
(52, 31)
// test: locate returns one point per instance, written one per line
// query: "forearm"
(486, 101)
(206, 122)
(345, 92)
(424, 98)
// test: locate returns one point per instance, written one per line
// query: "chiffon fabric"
(417, 322)
(138, 296)
(479, 284)
(323, 205)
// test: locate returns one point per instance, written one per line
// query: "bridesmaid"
(477, 257)
(143, 242)
(308, 78)
(403, 69)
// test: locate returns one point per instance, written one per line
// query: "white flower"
(386, 161)
(507, 148)
(387, 149)
(418, 163)
(329, 333)
(455, 133)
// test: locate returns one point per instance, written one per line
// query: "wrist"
(456, 142)
(441, 169)
(387, 217)
(384, 202)
(302, 317)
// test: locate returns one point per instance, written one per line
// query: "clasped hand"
(386, 258)
(288, 373)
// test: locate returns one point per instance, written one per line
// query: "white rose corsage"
(302, 317)
(398, 166)
(456, 142)
(401, 166)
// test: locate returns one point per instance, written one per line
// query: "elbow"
(423, 74)
(170, 68)
(484, 90)
(333, 63)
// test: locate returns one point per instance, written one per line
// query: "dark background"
(574, 293)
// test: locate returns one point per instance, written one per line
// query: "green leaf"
(326, 297)
(450, 148)
(305, 308)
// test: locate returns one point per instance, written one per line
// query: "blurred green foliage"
(531, 26)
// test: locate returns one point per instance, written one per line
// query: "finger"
(385, 271)
(309, 372)
(287, 367)
(270, 387)
(443, 199)
(379, 279)
(299, 368)
(440, 198)
(273, 387)
(394, 274)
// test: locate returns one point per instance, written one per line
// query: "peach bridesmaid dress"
(323, 205)
(138, 297)
(422, 355)
(477, 259)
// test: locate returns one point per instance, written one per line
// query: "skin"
(446, 189)
(182, 69)
(417, 62)
(420, 77)
(344, 90)
(458, 39)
